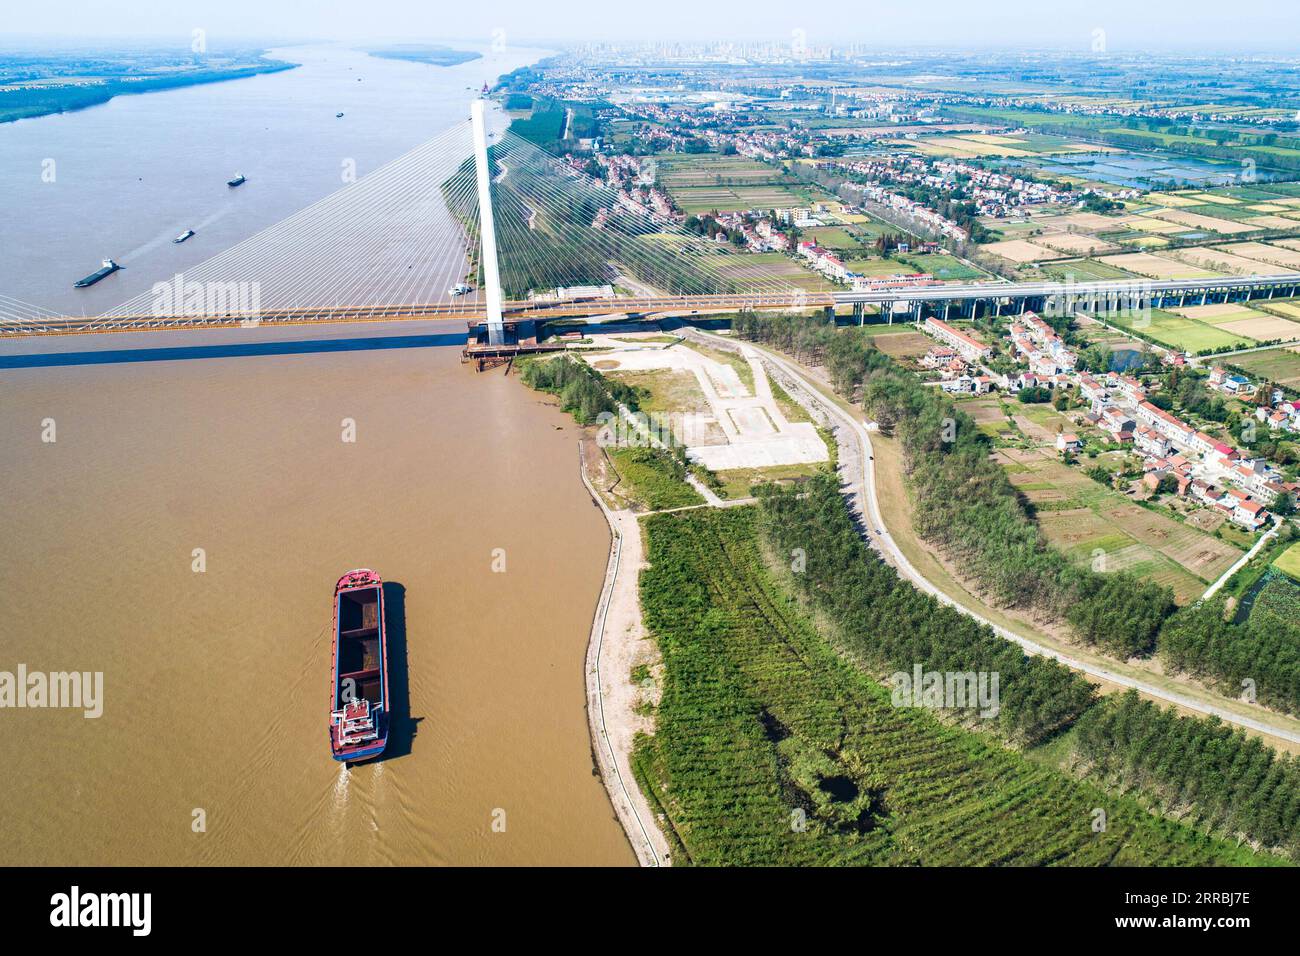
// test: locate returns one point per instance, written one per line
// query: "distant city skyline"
(1125, 27)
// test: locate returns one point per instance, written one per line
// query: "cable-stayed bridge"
(500, 235)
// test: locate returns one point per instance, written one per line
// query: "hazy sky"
(1129, 25)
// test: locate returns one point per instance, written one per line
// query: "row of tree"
(894, 627)
(582, 390)
(1260, 655)
(1229, 782)
(966, 504)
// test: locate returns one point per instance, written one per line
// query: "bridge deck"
(473, 313)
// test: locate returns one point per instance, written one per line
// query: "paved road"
(1243, 560)
(858, 465)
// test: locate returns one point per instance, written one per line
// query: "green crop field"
(1289, 561)
(701, 199)
(773, 266)
(943, 266)
(1083, 270)
(772, 749)
(833, 237)
(1178, 332)
(876, 267)
(1275, 365)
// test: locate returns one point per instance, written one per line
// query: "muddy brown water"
(217, 681)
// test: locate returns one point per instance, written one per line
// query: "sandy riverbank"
(617, 645)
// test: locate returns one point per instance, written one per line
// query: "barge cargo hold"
(107, 268)
(359, 702)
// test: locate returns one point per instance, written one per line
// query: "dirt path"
(858, 472)
(618, 644)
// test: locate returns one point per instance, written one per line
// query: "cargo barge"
(107, 268)
(359, 703)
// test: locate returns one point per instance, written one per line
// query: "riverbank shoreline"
(612, 651)
(73, 97)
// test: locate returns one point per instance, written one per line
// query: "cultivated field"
(706, 182)
(1021, 250)
(1221, 261)
(1289, 561)
(1272, 255)
(767, 266)
(1275, 365)
(1157, 266)
(1097, 526)
(901, 345)
(1180, 332)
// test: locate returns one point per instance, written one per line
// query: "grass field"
(1289, 561)
(739, 482)
(833, 237)
(876, 267)
(651, 478)
(1084, 270)
(942, 266)
(771, 749)
(1275, 365)
(771, 266)
(1091, 522)
(1180, 332)
(662, 390)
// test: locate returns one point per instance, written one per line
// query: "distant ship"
(239, 180)
(359, 704)
(184, 235)
(107, 269)
(338, 115)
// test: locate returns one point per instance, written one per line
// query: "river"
(460, 489)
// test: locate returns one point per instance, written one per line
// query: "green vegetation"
(582, 390)
(1176, 331)
(1211, 776)
(771, 749)
(425, 53)
(77, 92)
(891, 626)
(1215, 145)
(653, 478)
(1290, 562)
(966, 504)
(740, 482)
(1263, 650)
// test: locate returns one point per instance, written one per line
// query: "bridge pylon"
(487, 227)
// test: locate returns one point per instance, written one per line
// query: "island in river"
(425, 53)
(61, 80)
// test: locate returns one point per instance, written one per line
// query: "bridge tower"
(487, 227)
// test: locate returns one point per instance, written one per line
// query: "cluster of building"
(824, 261)
(1204, 469)
(994, 193)
(635, 184)
(1279, 413)
(969, 347)
(923, 215)
(956, 374)
(1038, 345)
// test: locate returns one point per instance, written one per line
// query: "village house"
(970, 347)
(1069, 443)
